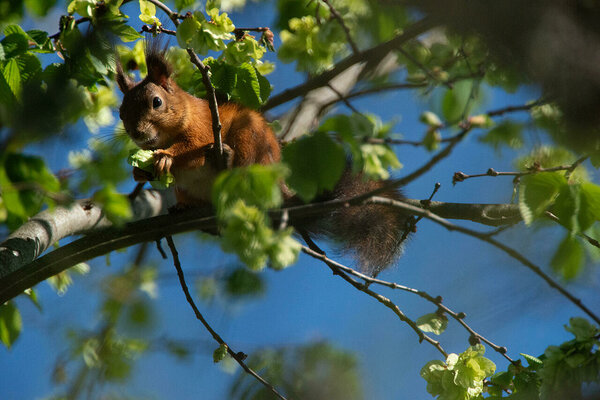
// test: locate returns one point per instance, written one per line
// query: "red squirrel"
(158, 115)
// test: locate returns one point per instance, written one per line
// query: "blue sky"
(503, 300)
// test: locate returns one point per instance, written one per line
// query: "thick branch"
(20, 267)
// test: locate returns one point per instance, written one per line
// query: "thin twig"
(337, 270)
(210, 90)
(239, 356)
(510, 109)
(534, 169)
(486, 238)
(588, 238)
(458, 316)
(343, 99)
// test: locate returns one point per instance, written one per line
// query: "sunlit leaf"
(569, 258)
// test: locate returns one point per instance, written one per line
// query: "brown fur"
(180, 130)
(180, 133)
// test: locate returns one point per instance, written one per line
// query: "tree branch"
(373, 53)
(239, 357)
(437, 301)
(210, 90)
(486, 238)
(335, 268)
(20, 267)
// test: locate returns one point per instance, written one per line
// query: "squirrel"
(158, 115)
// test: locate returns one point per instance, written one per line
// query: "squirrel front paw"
(163, 160)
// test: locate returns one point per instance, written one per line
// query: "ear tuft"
(159, 69)
(123, 80)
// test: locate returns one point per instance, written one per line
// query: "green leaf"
(15, 42)
(317, 163)
(181, 4)
(144, 159)
(507, 133)
(12, 75)
(502, 379)
(569, 258)
(248, 86)
(115, 206)
(431, 119)
(39, 7)
(595, 159)
(581, 328)
(127, 33)
(242, 282)
(148, 13)
(534, 362)
(567, 205)
(224, 77)
(456, 100)
(257, 185)
(433, 323)
(186, 30)
(220, 353)
(589, 211)
(537, 192)
(246, 234)
(432, 139)
(284, 249)
(10, 323)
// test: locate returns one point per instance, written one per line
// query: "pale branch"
(210, 90)
(43, 230)
(486, 238)
(335, 268)
(373, 53)
(534, 169)
(437, 301)
(335, 14)
(21, 266)
(239, 357)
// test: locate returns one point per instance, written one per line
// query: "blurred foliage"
(57, 86)
(317, 371)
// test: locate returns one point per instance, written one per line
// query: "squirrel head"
(153, 110)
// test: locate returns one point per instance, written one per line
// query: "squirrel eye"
(156, 102)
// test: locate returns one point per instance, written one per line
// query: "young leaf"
(456, 100)
(148, 13)
(10, 323)
(220, 353)
(507, 133)
(317, 163)
(433, 323)
(12, 75)
(569, 257)
(537, 193)
(534, 362)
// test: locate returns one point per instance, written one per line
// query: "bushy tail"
(372, 233)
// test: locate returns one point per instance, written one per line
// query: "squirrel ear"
(159, 70)
(123, 80)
